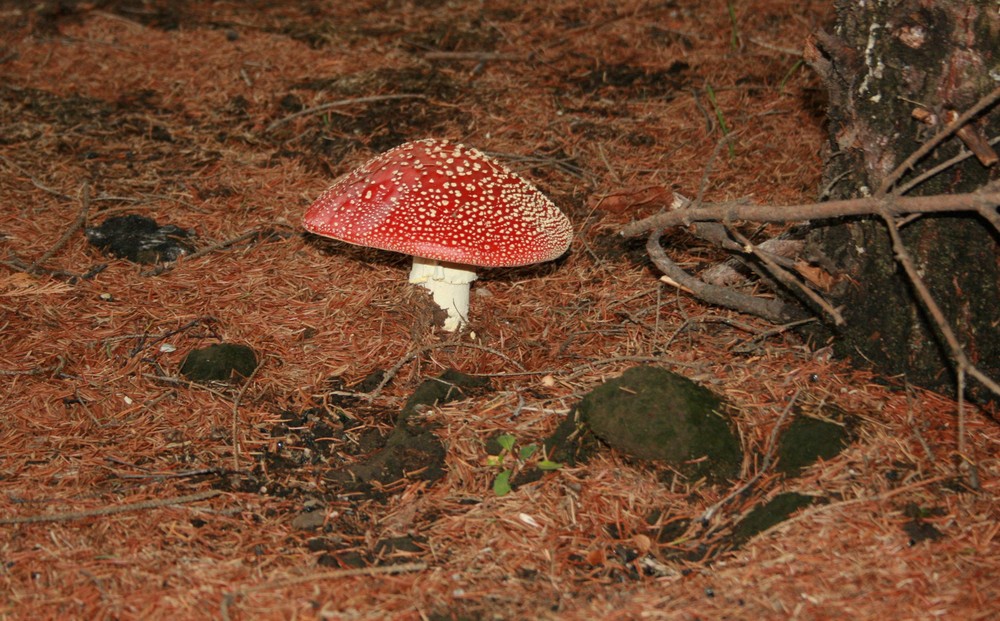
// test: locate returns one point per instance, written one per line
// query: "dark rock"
(139, 239)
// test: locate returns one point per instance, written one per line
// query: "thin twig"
(719, 235)
(158, 477)
(80, 222)
(148, 340)
(340, 103)
(967, 461)
(186, 383)
(817, 509)
(478, 56)
(945, 165)
(747, 346)
(914, 427)
(984, 103)
(17, 264)
(52, 368)
(579, 370)
(111, 510)
(222, 245)
(772, 447)
(689, 321)
(773, 310)
(38, 184)
(236, 415)
(374, 570)
(707, 170)
(776, 48)
(786, 277)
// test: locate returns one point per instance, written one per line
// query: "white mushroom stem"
(449, 286)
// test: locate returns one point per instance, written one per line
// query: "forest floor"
(128, 491)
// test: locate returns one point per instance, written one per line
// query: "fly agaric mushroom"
(451, 207)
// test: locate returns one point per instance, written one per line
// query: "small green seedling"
(518, 458)
(784, 80)
(720, 118)
(734, 35)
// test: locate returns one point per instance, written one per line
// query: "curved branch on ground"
(773, 310)
(788, 279)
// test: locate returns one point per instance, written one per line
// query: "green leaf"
(501, 485)
(546, 464)
(720, 117)
(734, 35)
(506, 442)
(527, 451)
(781, 86)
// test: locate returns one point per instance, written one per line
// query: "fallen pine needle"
(373, 570)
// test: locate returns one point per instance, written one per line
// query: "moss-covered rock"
(773, 512)
(221, 362)
(652, 413)
(807, 440)
(449, 386)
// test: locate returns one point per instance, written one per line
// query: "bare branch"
(945, 165)
(236, 415)
(958, 354)
(707, 171)
(983, 200)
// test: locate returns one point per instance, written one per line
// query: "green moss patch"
(222, 362)
(777, 510)
(806, 441)
(652, 413)
(412, 447)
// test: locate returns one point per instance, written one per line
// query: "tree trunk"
(884, 60)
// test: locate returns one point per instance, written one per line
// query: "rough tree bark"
(883, 60)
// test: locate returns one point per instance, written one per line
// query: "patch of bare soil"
(343, 460)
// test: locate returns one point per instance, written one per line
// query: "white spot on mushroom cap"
(410, 200)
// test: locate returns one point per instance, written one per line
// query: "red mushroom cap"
(443, 201)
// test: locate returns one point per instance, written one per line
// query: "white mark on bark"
(874, 67)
